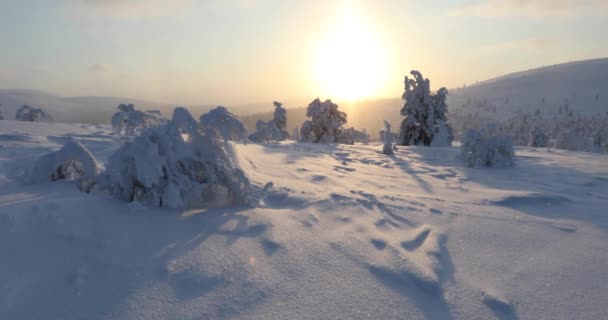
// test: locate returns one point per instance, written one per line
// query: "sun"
(350, 62)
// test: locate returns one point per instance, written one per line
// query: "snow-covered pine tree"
(425, 114)
(537, 138)
(280, 121)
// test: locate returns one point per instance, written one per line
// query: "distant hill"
(70, 109)
(582, 85)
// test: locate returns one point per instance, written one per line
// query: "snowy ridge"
(582, 85)
(345, 233)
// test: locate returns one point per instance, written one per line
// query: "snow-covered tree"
(225, 123)
(306, 133)
(487, 148)
(274, 130)
(280, 121)
(295, 135)
(537, 138)
(425, 114)
(27, 113)
(387, 149)
(325, 125)
(73, 162)
(128, 121)
(175, 165)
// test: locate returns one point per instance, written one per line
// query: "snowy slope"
(348, 233)
(583, 85)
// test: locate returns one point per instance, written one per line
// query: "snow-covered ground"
(347, 233)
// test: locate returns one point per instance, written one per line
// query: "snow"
(344, 232)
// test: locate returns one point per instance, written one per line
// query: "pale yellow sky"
(247, 51)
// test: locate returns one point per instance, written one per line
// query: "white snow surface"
(345, 233)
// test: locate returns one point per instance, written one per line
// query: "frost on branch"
(27, 113)
(73, 162)
(176, 165)
(225, 123)
(486, 148)
(127, 121)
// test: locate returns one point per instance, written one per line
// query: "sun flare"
(351, 60)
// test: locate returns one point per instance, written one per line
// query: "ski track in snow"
(346, 233)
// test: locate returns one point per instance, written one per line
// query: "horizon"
(242, 52)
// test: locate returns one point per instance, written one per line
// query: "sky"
(247, 51)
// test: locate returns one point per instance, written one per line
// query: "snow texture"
(345, 232)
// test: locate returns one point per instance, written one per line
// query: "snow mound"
(175, 166)
(72, 161)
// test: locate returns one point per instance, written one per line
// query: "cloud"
(524, 44)
(99, 68)
(533, 8)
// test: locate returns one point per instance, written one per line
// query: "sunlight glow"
(351, 61)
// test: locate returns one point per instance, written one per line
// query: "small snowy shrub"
(127, 121)
(387, 149)
(325, 125)
(175, 165)
(485, 148)
(274, 130)
(27, 113)
(73, 161)
(225, 123)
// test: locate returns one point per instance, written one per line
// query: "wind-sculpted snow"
(342, 232)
